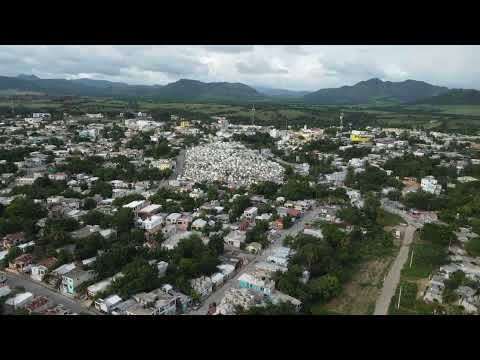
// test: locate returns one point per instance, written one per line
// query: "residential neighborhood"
(107, 215)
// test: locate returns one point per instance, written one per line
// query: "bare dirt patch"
(359, 294)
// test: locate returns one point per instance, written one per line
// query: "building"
(18, 301)
(136, 206)
(41, 269)
(74, 278)
(151, 223)
(203, 286)
(360, 136)
(21, 263)
(97, 288)
(254, 247)
(250, 213)
(430, 184)
(14, 239)
(107, 304)
(199, 224)
(235, 238)
(256, 281)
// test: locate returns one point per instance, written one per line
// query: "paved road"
(217, 295)
(35, 288)
(393, 277)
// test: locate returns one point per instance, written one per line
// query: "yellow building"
(184, 124)
(360, 136)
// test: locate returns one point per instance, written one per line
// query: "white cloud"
(301, 67)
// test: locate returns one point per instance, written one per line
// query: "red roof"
(293, 212)
(15, 236)
(37, 302)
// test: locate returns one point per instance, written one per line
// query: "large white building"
(430, 184)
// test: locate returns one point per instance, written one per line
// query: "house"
(139, 309)
(430, 184)
(235, 238)
(293, 212)
(257, 282)
(278, 224)
(217, 279)
(18, 301)
(173, 218)
(40, 270)
(21, 263)
(122, 307)
(314, 232)
(156, 302)
(74, 278)
(162, 267)
(172, 242)
(234, 297)
(151, 223)
(136, 206)
(5, 291)
(95, 289)
(203, 286)
(149, 211)
(434, 290)
(244, 224)
(227, 270)
(85, 232)
(199, 224)
(279, 297)
(107, 304)
(183, 222)
(250, 213)
(14, 239)
(254, 247)
(270, 267)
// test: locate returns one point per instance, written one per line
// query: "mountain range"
(376, 90)
(365, 92)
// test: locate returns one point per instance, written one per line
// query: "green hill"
(453, 97)
(375, 90)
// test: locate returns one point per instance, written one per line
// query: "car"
(3, 278)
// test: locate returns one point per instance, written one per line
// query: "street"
(14, 280)
(393, 277)
(217, 295)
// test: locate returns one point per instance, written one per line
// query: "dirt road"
(393, 277)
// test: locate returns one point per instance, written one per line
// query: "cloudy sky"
(287, 67)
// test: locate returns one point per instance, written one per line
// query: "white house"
(430, 184)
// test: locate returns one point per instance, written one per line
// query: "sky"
(293, 67)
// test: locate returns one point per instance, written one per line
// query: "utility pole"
(253, 114)
(411, 258)
(399, 297)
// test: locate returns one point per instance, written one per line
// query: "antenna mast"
(253, 114)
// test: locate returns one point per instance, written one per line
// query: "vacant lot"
(359, 295)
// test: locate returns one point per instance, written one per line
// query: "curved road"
(393, 277)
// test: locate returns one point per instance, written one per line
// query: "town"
(124, 214)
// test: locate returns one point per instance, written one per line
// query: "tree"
(89, 204)
(217, 244)
(138, 276)
(350, 178)
(123, 220)
(269, 308)
(437, 234)
(324, 288)
(473, 247)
